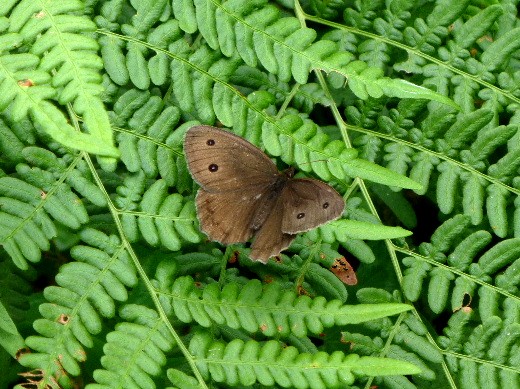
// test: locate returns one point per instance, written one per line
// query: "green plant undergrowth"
(410, 109)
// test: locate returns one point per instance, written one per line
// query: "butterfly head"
(289, 172)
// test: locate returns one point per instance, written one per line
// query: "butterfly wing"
(309, 203)
(270, 240)
(243, 195)
(221, 161)
(227, 216)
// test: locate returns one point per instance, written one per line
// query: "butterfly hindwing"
(270, 239)
(309, 203)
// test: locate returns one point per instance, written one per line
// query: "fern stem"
(411, 50)
(388, 243)
(305, 266)
(300, 14)
(144, 276)
(456, 271)
(335, 111)
(287, 101)
(343, 128)
(443, 157)
(388, 343)
(481, 361)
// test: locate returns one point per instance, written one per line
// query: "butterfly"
(242, 194)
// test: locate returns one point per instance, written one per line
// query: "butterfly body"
(243, 195)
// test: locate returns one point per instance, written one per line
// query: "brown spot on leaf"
(63, 319)
(344, 271)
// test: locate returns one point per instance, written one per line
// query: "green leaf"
(362, 230)
(55, 124)
(404, 89)
(10, 338)
(372, 172)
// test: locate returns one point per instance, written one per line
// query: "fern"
(64, 48)
(142, 338)
(408, 108)
(226, 307)
(489, 332)
(269, 364)
(29, 206)
(496, 266)
(86, 292)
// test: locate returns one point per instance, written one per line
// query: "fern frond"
(497, 265)
(148, 142)
(23, 237)
(141, 65)
(135, 351)
(59, 46)
(37, 198)
(11, 144)
(486, 281)
(301, 143)
(246, 363)
(166, 219)
(465, 181)
(344, 230)
(257, 32)
(251, 308)
(198, 74)
(85, 293)
(22, 84)
(494, 340)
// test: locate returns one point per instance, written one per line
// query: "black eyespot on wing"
(213, 168)
(210, 142)
(301, 215)
(325, 205)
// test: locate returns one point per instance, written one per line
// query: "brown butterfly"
(244, 196)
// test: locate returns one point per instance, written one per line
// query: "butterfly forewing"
(221, 161)
(226, 217)
(309, 203)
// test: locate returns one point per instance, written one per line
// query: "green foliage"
(61, 64)
(410, 109)
(245, 363)
(142, 338)
(270, 310)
